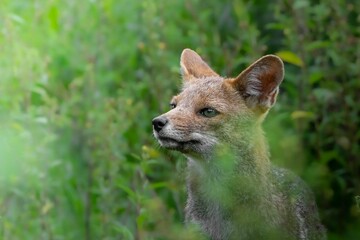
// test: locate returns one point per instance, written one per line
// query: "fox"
(233, 189)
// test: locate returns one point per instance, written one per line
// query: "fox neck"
(245, 155)
(233, 175)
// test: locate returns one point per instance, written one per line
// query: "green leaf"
(317, 45)
(301, 4)
(302, 114)
(16, 18)
(124, 232)
(290, 57)
(316, 77)
(323, 94)
(53, 18)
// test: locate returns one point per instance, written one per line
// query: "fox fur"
(234, 192)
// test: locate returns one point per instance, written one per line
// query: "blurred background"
(80, 82)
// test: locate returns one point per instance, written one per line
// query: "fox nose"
(159, 123)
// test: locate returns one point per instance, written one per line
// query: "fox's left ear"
(259, 83)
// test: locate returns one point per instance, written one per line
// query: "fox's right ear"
(192, 66)
(259, 83)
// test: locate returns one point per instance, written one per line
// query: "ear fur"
(192, 66)
(259, 83)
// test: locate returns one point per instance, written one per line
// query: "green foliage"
(80, 82)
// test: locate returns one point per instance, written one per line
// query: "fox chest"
(223, 212)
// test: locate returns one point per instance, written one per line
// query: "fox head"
(213, 110)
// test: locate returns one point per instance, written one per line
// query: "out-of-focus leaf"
(159, 185)
(290, 57)
(16, 18)
(124, 232)
(315, 77)
(317, 45)
(53, 18)
(302, 114)
(150, 152)
(301, 4)
(323, 94)
(47, 207)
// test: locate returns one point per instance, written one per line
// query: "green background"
(80, 82)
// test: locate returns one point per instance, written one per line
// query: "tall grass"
(80, 82)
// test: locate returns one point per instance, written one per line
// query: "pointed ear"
(192, 66)
(259, 83)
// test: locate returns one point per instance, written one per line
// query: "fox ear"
(259, 83)
(192, 66)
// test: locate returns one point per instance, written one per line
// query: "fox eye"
(172, 105)
(208, 112)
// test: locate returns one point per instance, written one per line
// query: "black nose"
(159, 123)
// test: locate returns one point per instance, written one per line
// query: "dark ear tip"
(273, 60)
